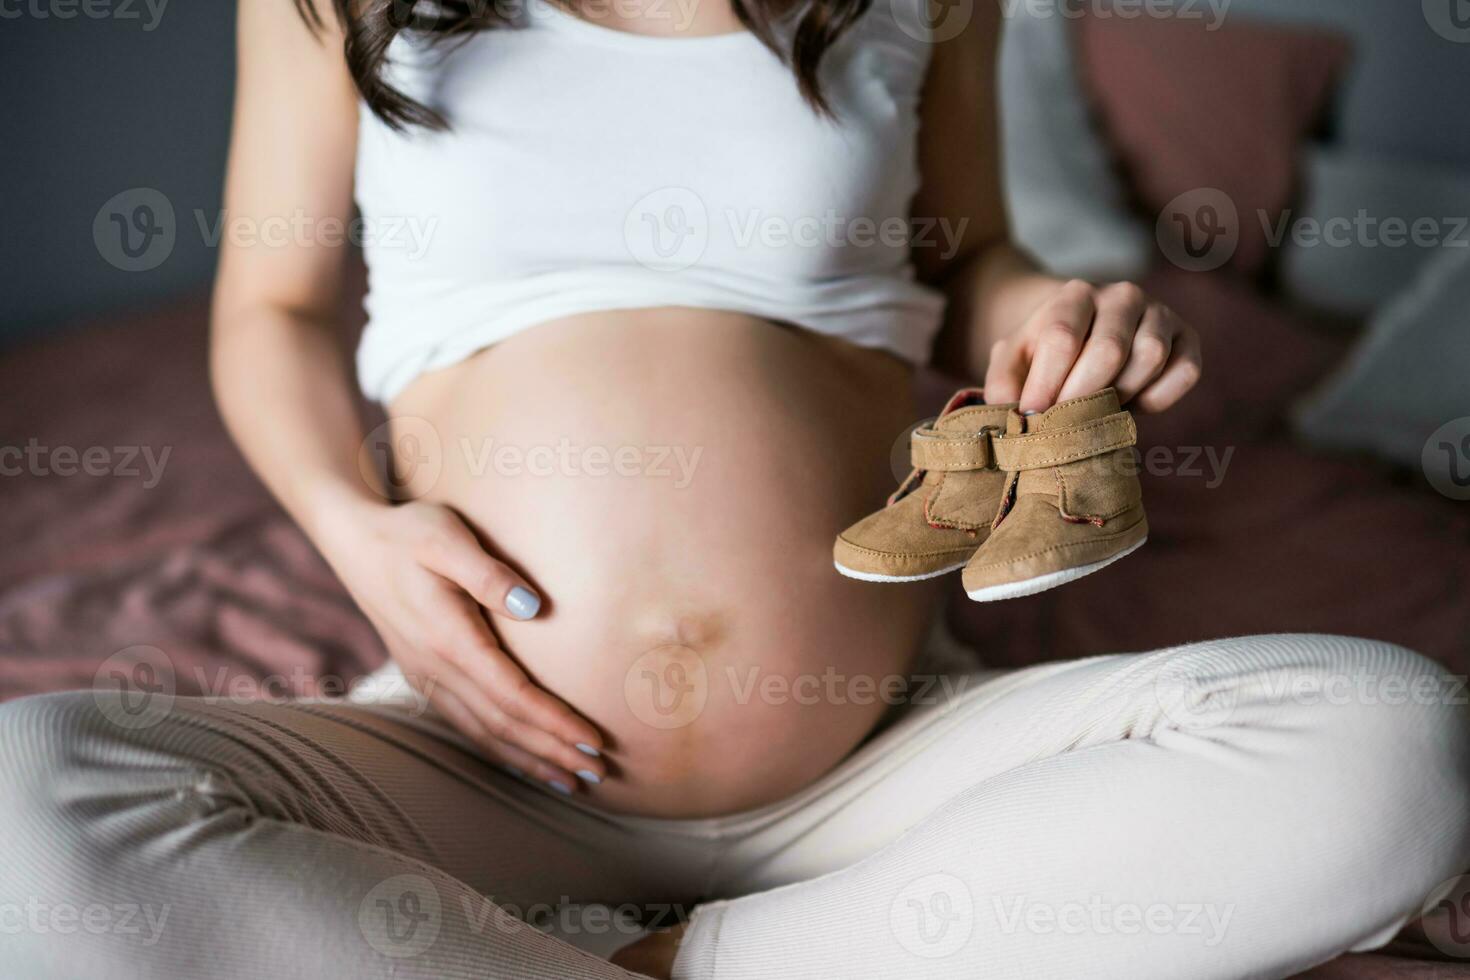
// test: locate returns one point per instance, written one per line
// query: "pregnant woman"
(648, 288)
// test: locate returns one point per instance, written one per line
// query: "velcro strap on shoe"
(931, 449)
(1038, 450)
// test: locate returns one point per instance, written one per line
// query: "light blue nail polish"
(523, 603)
(589, 776)
(560, 787)
(1031, 412)
(586, 749)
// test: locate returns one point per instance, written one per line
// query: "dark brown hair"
(371, 25)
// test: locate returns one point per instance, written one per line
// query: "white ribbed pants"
(1240, 808)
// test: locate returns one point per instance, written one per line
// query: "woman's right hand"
(425, 582)
(277, 363)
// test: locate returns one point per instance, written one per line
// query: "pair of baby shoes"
(1023, 503)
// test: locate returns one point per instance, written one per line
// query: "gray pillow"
(1406, 387)
(1366, 228)
(1066, 203)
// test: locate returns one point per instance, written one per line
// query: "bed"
(180, 548)
(128, 518)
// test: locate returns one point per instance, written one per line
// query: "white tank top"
(591, 169)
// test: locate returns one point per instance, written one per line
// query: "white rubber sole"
(875, 577)
(1041, 583)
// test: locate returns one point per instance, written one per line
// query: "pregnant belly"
(671, 480)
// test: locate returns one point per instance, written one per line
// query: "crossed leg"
(279, 841)
(1240, 808)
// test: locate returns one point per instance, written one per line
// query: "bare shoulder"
(292, 150)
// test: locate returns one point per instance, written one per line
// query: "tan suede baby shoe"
(1071, 503)
(943, 511)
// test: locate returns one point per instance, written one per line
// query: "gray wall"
(96, 106)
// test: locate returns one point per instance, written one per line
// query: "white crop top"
(589, 169)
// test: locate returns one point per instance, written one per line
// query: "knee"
(1389, 725)
(70, 761)
(39, 736)
(1386, 695)
(1360, 709)
(73, 853)
(1393, 730)
(47, 854)
(1344, 725)
(1366, 693)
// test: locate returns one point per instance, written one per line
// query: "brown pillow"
(1193, 111)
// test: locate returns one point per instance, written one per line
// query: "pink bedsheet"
(201, 564)
(198, 562)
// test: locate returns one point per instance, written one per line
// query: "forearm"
(991, 295)
(282, 383)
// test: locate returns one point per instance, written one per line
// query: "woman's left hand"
(1085, 338)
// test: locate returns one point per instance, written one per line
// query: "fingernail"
(589, 776)
(1031, 411)
(523, 603)
(560, 787)
(586, 749)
